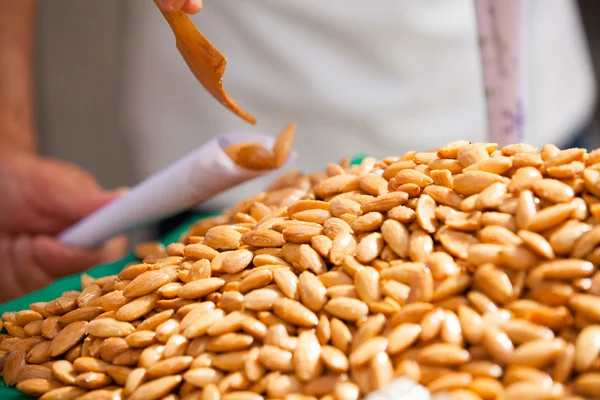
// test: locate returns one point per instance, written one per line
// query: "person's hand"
(40, 197)
(188, 6)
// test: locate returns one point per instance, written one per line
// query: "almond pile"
(470, 269)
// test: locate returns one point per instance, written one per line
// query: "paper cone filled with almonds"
(254, 155)
(470, 269)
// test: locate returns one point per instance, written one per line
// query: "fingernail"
(193, 6)
(166, 4)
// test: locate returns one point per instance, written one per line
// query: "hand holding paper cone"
(212, 168)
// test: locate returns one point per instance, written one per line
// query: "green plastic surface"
(74, 283)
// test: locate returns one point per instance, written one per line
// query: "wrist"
(16, 136)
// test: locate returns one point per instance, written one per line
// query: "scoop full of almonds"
(470, 269)
(254, 155)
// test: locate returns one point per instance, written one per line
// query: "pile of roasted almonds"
(470, 269)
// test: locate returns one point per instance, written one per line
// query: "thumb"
(88, 204)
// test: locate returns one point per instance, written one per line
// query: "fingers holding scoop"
(187, 6)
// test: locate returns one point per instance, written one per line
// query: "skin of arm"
(17, 19)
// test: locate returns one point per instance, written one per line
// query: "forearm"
(17, 20)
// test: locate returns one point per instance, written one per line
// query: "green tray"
(74, 283)
(59, 286)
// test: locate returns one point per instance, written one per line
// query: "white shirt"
(375, 77)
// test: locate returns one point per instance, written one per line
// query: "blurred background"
(108, 99)
(80, 55)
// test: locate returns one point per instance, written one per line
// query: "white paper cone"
(201, 174)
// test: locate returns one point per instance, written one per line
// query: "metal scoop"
(204, 60)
